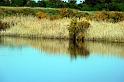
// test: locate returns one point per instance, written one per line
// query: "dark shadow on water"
(77, 49)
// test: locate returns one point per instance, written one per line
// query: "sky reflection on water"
(28, 63)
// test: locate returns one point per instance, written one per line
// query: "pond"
(45, 60)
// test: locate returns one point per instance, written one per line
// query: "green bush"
(120, 6)
(76, 28)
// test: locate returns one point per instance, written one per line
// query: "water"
(34, 60)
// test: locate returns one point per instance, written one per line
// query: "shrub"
(90, 17)
(3, 25)
(65, 12)
(101, 16)
(81, 14)
(41, 15)
(76, 28)
(116, 17)
(27, 11)
(51, 11)
(54, 17)
(113, 17)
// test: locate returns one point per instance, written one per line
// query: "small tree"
(76, 28)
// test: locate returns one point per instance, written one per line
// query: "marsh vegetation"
(57, 23)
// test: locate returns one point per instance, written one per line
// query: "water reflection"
(78, 49)
(37, 60)
(0, 40)
(65, 47)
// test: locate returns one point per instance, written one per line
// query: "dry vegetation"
(77, 29)
(113, 17)
(4, 25)
(31, 26)
(106, 31)
(104, 25)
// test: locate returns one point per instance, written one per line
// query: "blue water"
(27, 64)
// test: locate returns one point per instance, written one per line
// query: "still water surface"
(34, 60)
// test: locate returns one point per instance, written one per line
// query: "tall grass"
(32, 26)
(3, 25)
(106, 31)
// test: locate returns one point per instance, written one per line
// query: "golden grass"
(106, 31)
(29, 25)
(32, 26)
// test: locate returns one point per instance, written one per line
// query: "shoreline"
(32, 36)
(60, 38)
(29, 26)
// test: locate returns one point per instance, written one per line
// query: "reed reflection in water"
(78, 49)
(65, 47)
(44, 60)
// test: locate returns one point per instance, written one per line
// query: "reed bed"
(32, 26)
(106, 31)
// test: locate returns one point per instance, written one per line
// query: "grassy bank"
(106, 31)
(12, 11)
(9, 11)
(31, 26)
(105, 26)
